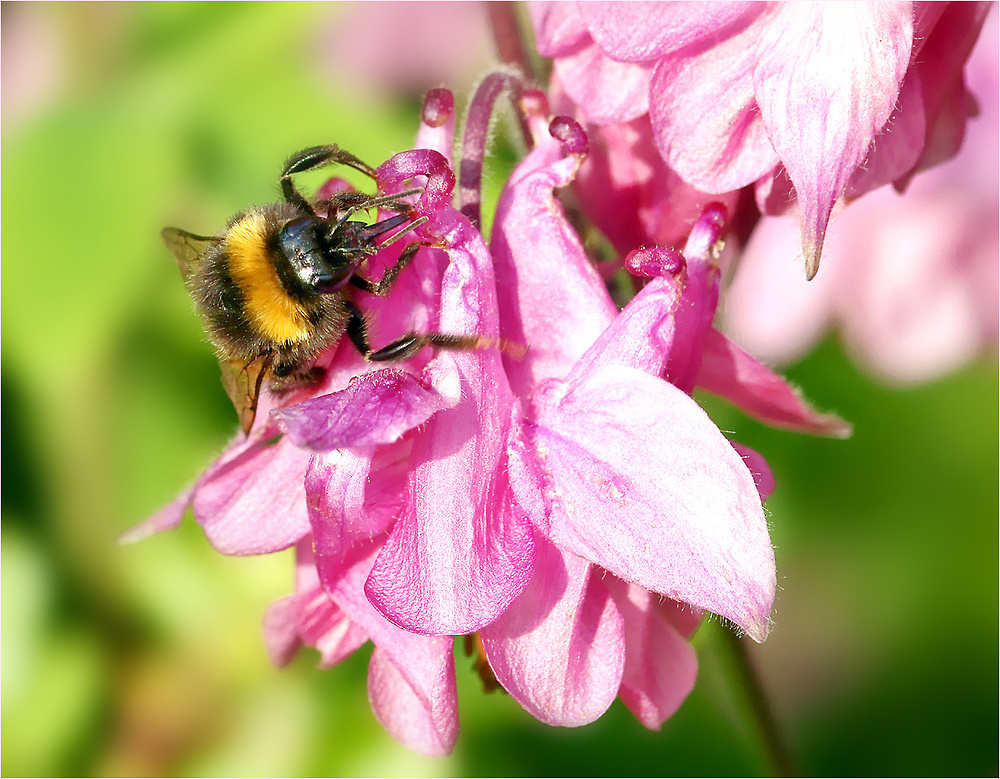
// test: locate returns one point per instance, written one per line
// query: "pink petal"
(550, 297)
(411, 681)
(705, 119)
(252, 499)
(728, 371)
(460, 552)
(336, 485)
(310, 617)
(657, 496)
(641, 31)
(605, 90)
(167, 518)
(559, 28)
(559, 649)
(376, 408)
(822, 116)
(763, 477)
(402, 709)
(660, 663)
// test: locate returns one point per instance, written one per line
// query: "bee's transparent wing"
(242, 381)
(188, 249)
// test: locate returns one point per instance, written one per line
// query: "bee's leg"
(407, 346)
(385, 284)
(310, 159)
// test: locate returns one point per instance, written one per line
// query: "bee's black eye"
(301, 243)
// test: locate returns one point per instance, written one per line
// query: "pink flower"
(912, 281)
(811, 101)
(574, 506)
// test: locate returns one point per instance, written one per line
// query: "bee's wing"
(242, 381)
(188, 249)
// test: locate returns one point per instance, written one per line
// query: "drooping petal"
(309, 617)
(659, 498)
(761, 472)
(336, 485)
(729, 372)
(460, 552)
(550, 297)
(167, 518)
(252, 500)
(411, 682)
(376, 408)
(660, 663)
(641, 31)
(705, 118)
(559, 650)
(826, 79)
(607, 91)
(559, 28)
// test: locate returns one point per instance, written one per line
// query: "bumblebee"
(277, 287)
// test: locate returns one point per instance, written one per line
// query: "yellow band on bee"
(266, 303)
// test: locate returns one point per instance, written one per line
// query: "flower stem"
(745, 676)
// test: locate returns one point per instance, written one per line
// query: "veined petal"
(705, 119)
(659, 498)
(252, 500)
(336, 486)
(640, 31)
(826, 80)
(411, 682)
(559, 650)
(559, 28)
(550, 297)
(660, 663)
(460, 551)
(728, 371)
(759, 469)
(606, 90)
(376, 408)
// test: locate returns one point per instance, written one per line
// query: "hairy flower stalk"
(571, 505)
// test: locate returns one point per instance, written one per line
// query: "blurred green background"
(147, 659)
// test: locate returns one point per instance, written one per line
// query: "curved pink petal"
(460, 552)
(641, 31)
(167, 518)
(402, 708)
(376, 408)
(559, 28)
(559, 650)
(605, 90)
(822, 116)
(705, 119)
(550, 297)
(411, 680)
(252, 500)
(728, 371)
(336, 487)
(898, 147)
(659, 498)
(309, 617)
(660, 663)
(759, 469)
(644, 334)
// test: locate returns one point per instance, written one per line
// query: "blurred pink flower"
(548, 502)
(810, 102)
(912, 281)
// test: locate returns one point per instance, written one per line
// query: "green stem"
(748, 680)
